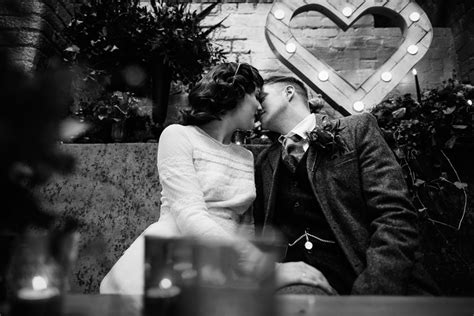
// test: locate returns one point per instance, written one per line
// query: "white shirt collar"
(306, 125)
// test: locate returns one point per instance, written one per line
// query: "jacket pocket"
(346, 158)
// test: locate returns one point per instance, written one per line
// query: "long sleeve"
(182, 190)
(393, 233)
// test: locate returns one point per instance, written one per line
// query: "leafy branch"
(420, 135)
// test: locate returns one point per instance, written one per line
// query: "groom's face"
(274, 101)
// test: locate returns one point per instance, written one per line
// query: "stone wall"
(115, 192)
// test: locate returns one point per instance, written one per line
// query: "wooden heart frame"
(417, 34)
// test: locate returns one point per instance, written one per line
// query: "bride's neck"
(219, 130)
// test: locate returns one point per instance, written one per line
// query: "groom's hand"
(289, 273)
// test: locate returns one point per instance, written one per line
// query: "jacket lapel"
(272, 172)
(314, 158)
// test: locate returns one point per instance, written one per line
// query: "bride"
(207, 181)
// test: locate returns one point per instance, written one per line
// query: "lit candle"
(417, 83)
(162, 299)
(238, 137)
(39, 299)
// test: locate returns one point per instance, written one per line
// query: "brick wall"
(459, 16)
(34, 36)
(30, 30)
(462, 26)
(356, 53)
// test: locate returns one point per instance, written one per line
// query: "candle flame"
(39, 283)
(414, 72)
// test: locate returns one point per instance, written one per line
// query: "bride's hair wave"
(219, 91)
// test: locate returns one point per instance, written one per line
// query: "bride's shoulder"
(176, 131)
(175, 128)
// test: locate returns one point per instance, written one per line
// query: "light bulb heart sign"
(417, 35)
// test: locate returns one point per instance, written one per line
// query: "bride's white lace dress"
(207, 190)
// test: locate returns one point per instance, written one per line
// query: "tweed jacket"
(364, 198)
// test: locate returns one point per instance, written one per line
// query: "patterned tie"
(292, 151)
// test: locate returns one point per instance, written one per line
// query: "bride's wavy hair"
(219, 91)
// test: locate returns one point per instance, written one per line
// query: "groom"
(336, 192)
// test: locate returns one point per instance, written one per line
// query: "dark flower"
(326, 137)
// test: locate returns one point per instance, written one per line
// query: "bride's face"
(244, 113)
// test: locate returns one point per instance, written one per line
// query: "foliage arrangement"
(429, 139)
(445, 117)
(109, 36)
(114, 117)
(117, 45)
(425, 132)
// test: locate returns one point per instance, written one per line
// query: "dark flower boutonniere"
(326, 137)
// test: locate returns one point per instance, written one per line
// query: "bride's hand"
(253, 262)
(289, 273)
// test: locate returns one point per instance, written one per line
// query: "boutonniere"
(326, 137)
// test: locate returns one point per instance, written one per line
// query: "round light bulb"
(308, 245)
(291, 47)
(414, 72)
(358, 106)
(469, 102)
(386, 76)
(415, 17)
(347, 11)
(165, 283)
(323, 76)
(412, 49)
(279, 14)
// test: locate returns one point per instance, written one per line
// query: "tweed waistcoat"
(298, 211)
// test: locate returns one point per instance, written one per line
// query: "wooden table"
(293, 305)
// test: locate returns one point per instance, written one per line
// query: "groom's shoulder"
(358, 120)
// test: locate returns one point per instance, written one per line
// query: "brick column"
(462, 24)
(31, 30)
(459, 16)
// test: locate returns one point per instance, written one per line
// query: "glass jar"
(37, 277)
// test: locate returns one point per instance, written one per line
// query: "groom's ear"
(290, 92)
